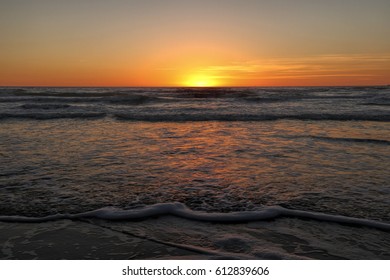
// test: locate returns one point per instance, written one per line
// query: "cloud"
(337, 65)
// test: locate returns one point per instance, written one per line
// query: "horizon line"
(200, 87)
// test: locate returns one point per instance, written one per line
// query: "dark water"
(260, 159)
(71, 150)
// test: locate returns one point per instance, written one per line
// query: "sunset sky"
(194, 43)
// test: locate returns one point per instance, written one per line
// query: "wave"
(308, 96)
(48, 116)
(51, 99)
(269, 94)
(193, 117)
(44, 106)
(183, 117)
(355, 140)
(376, 104)
(180, 210)
(67, 92)
(212, 93)
(257, 94)
(134, 99)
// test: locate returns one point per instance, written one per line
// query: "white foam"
(180, 210)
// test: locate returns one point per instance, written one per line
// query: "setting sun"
(200, 81)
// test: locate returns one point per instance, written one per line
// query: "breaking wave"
(182, 211)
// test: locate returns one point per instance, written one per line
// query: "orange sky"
(194, 43)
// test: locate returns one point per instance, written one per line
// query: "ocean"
(221, 172)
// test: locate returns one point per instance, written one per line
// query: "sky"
(194, 43)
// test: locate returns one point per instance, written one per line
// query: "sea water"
(210, 155)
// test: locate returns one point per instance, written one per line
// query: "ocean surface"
(210, 155)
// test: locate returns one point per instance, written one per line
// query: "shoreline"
(171, 237)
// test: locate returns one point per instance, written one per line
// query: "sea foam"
(182, 211)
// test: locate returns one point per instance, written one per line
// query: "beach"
(175, 238)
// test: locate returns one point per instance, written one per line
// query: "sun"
(200, 81)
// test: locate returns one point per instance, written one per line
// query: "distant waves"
(48, 116)
(197, 104)
(182, 117)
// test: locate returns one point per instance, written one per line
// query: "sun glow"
(200, 81)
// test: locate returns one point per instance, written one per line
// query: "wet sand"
(170, 237)
(79, 240)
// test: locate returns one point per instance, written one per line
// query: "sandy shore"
(175, 238)
(79, 240)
